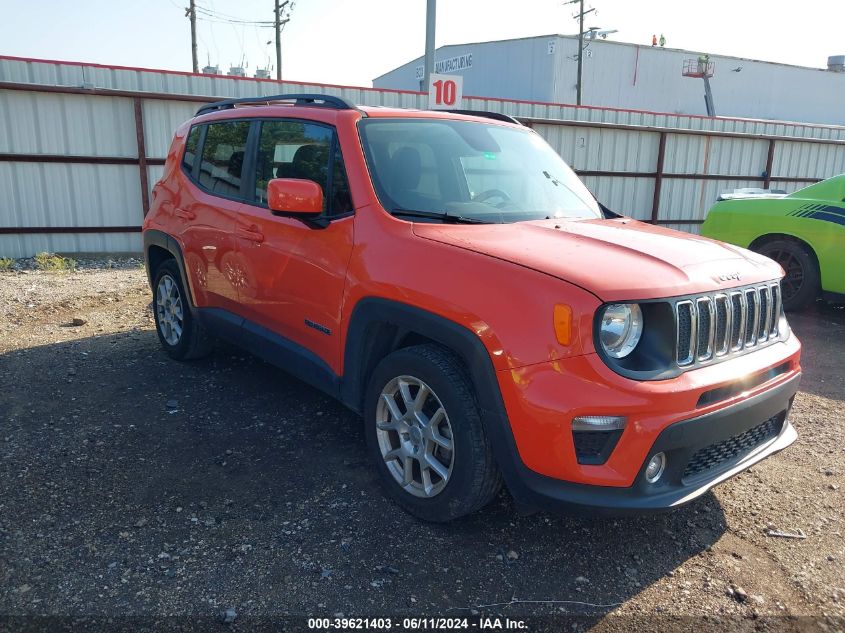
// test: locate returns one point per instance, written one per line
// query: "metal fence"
(81, 146)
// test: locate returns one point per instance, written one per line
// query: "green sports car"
(803, 231)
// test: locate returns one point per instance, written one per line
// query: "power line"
(223, 17)
(263, 25)
(207, 13)
(218, 13)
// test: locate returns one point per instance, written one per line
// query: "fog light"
(655, 468)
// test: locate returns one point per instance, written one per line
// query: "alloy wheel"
(169, 310)
(415, 436)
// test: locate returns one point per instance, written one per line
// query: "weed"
(51, 261)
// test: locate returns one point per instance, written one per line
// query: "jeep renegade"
(448, 277)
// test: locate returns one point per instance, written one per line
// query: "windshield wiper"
(445, 217)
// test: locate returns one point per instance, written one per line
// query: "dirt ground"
(133, 485)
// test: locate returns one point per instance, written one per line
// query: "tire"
(802, 283)
(181, 335)
(422, 434)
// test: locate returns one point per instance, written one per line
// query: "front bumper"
(680, 442)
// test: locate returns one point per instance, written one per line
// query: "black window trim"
(333, 147)
(193, 175)
(247, 193)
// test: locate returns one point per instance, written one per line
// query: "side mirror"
(293, 196)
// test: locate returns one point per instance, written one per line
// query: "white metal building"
(632, 76)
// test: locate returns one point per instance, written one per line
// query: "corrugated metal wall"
(70, 165)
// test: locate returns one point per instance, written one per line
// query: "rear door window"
(292, 149)
(222, 162)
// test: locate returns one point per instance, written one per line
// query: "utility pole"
(278, 25)
(430, 22)
(580, 16)
(580, 49)
(191, 12)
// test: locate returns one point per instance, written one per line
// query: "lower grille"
(734, 447)
(594, 447)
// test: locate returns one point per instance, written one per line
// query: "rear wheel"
(181, 335)
(425, 434)
(801, 284)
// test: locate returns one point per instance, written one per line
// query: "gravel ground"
(133, 485)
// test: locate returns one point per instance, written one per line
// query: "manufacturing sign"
(445, 66)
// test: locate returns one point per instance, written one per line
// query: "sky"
(351, 42)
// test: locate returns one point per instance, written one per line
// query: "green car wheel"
(800, 286)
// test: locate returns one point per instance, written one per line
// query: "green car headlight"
(621, 329)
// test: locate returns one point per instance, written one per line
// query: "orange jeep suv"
(448, 277)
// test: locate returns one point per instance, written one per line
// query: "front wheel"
(801, 284)
(425, 434)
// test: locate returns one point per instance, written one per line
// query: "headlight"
(621, 328)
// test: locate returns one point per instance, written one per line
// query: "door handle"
(252, 234)
(185, 214)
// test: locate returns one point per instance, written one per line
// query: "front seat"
(311, 162)
(405, 173)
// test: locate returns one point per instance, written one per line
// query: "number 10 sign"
(445, 92)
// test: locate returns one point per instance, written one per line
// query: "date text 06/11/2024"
(421, 624)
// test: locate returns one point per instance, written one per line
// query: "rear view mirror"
(294, 196)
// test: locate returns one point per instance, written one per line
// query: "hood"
(616, 260)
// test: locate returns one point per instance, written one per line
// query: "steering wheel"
(484, 196)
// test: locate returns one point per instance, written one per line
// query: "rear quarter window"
(189, 158)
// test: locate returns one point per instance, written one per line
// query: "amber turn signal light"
(563, 323)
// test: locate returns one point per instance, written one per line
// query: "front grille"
(722, 333)
(704, 348)
(685, 332)
(734, 447)
(765, 315)
(736, 327)
(752, 316)
(726, 323)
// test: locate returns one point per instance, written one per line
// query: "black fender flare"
(161, 239)
(403, 319)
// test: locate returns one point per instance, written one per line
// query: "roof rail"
(498, 116)
(318, 100)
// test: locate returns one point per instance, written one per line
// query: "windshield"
(465, 170)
